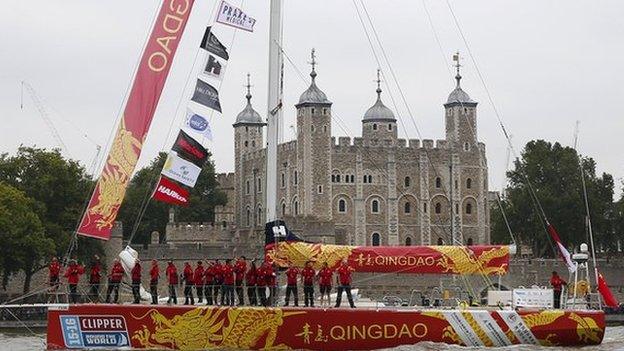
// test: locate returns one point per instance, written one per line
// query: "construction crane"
(44, 114)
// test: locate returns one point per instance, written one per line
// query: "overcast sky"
(547, 64)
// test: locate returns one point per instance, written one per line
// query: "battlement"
(225, 180)
(346, 143)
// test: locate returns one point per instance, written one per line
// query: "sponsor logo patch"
(94, 331)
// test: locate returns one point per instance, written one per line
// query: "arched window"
(312, 128)
(296, 207)
(370, 178)
(312, 110)
(320, 189)
(469, 241)
(375, 239)
(390, 126)
(456, 208)
(352, 178)
(440, 241)
(466, 146)
(468, 183)
(224, 224)
(247, 187)
(325, 127)
(408, 207)
(296, 179)
(408, 181)
(253, 143)
(342, 206)
(259, 218)
(337, 178)
(246, 143)
(248, 219)
(438, 182)
(438, 208)
(374, 126)
(425, 207)
(469, 208)
(283, 209)
(283, 180)
(408, 241)
(375, 206)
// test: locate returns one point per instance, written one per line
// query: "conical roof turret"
(313, 95)
(379, 111)
(248, 115)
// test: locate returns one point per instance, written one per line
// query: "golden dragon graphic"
(298, 253)
(459, 260)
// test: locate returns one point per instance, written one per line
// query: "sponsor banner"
(517, 326)
(465, 332)
(533, 298)
(150, 78)
(198, 124)
(207, 95)
(170, 192)
(190, 149)
(491, 328)
(235, 17)
(482, 260)
(184, 327)
(180, 170)
(94, 331)
(214, 67)
(211, 44)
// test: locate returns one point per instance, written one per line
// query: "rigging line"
(437, 39)
(500, 205)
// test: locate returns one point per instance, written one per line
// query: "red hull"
(193, 328)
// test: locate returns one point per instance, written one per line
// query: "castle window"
(324, 111)
(259, 218)
(374, 126)
(333, 178)
(324, 129)
(312, 110)
(438, 208)
(296, 207)
(408, 241)
(468, 183)
(438, 182)
(283, 209)
(224, 224)
(296, 179)
(352, 178)
(253, 143)
(425, 207)
(246, 128)
(407, 207)
(456, 184)
(337, 178)
(456, 208)
(248, 220)
(440, 241)
(342, 206)
(370, 178)
(246, 143)
(247, 188)
(466, 146)
(407, 182)
(375, 239)
(389, 126)
(259, 185)
(375, 206)
(469, 208)
(283, 180)
(364, 179)
(312, 128)
(469, 242)
(320, 189)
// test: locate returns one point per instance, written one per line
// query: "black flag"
(210, 43)
(190, 149)
(205, 94)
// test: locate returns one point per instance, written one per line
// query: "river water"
(613, 340)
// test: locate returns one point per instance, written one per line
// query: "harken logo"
(171, 193)
(94, 331)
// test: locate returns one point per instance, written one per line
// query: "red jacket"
(228, 274)
(557, 282)
(73, 273)
(172, 274)
(154, 273)
(198, 278)
(344, 273)
(95, 275)
(136, 272)
(188, 274)
(218, 273)
(117, 273)
(325, 276)
(291, 275)
(250, 276)
(308, 274)
(269, 275)
(240, 268)
(55, 269)
(209, 275)
(260, 276)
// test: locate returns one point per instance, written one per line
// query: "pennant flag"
(170, 192)
(207, 95)
(235, 17)
(190, 149)
(197, 124)
(563, 252)
(211, 44)
(214, 67)
(151, 74)
(606, 293)
(181, 170)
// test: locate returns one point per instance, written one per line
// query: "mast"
(274, 105)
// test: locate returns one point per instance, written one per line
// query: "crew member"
(344, 282)
(154, 275)
(227, 295)
(172, 279)
(114, 279)
(557, 283)
(136, 281)
(291, 277)
(261, 283)
(54, 272)
(250, 280)
(187, 278)
(95, 276)
(307, 275)
(209, 282)
(218, 281)
(325, 280)
(73, 273)
(198, 278)
(239, 270)
(271, 281)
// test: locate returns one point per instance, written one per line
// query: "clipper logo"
(198, 123)
(94, 331)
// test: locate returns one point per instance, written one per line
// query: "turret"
(461, 116)
(379, 124)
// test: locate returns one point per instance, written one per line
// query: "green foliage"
(553, 171)
(203, 199)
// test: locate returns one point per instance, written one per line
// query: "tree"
(553, 173)
(203, 199)
(25, 244)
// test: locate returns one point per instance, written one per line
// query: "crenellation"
(441, 144)
(414, 143)
(427, 144)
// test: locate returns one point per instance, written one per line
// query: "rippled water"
(613, 340)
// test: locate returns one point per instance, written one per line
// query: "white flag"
(181, 170)
(197, 124)
(235, 17)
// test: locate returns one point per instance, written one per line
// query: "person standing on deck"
(198, 278)
(271, 281)
(344, 283)
(172, 278)
(250, 280)
(239, 270)
(557, 283)
(325, 276)
(307, 275)
(218, 274)
(95, 277)
(227, 295)
(261, 284)
(209, 282)
(73, 273)
(114, 279)
(54, 272)
(187, 277)
(291, 276)
(154, 275)
(136, 281)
